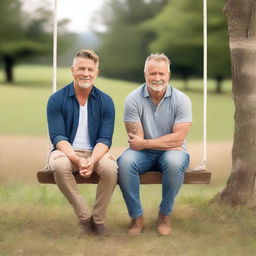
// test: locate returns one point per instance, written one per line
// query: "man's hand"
(86, 167)
(136, 142)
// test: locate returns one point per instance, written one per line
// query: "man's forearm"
(134, 128)
(170, 141)
(166, 142)
(99, 151)
(67, 149)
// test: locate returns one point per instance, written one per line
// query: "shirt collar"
(168, 92)
(71, 90)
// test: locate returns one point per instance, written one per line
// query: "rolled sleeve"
(57, 139)
(107, 123)
(105, 141)
(56, 123)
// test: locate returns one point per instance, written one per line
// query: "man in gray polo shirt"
(157, 119)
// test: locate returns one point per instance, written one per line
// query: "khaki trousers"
(106, 168)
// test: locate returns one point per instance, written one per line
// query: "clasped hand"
(136, 142)
(85, 167)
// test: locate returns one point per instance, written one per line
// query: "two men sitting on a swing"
(81, 122)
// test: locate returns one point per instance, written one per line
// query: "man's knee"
(59, 162)
(126, 161)
(107, 167)
(175, 161)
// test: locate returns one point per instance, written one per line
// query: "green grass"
(36, 220)
(22, 104)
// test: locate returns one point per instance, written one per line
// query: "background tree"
(124, 44)
(241, 185)
(178, 29)
(218, 51)
(24, 35)
(178, 33)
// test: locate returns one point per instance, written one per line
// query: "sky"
(78, 11)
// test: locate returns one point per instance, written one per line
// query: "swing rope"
(202, 165)
(204, 160)
(55, 40)
(54, 70)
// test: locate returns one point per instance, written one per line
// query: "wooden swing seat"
(46, 176)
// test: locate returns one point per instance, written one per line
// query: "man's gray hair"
(157, 57)
(88, 54)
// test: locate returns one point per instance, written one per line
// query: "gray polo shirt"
(175, 107)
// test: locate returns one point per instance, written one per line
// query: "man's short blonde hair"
(157, 57)
(88, 54)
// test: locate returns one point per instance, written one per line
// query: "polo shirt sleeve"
(56, 123)
(107, 123)
(183, 111)
(131, 109)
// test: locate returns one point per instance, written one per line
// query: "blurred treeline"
(26, 35)
(132, 30)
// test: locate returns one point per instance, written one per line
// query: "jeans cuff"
(136, 215)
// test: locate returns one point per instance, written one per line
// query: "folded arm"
(171, 141)
(134, 128)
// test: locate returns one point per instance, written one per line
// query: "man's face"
(84, 72)
(157, 75)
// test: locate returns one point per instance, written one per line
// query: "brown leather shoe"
(136, 226)
(86, 226)
(99, 229)
(163, 225)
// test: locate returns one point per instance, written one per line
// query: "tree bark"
(8, 66)
(241, 185)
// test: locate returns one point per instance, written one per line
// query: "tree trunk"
(241, 185)
(8, 66)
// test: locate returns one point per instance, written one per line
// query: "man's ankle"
(99, 229)
(136, 226)
(163, 224)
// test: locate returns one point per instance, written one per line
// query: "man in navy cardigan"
(81, 123)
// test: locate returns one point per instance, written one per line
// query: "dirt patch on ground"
(22, 156)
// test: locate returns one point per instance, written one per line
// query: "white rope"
(55, 38)
(205, 85)
(202, 165)
(54, 70)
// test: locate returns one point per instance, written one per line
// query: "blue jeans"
(132, 163)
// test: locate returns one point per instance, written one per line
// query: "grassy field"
(36, 220)
(22, 105)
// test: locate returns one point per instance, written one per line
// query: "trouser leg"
(62, 169)
(106, 168)
(131, 164)
(173, 165)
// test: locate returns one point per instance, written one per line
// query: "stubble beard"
(84, 85)
(157, 88)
